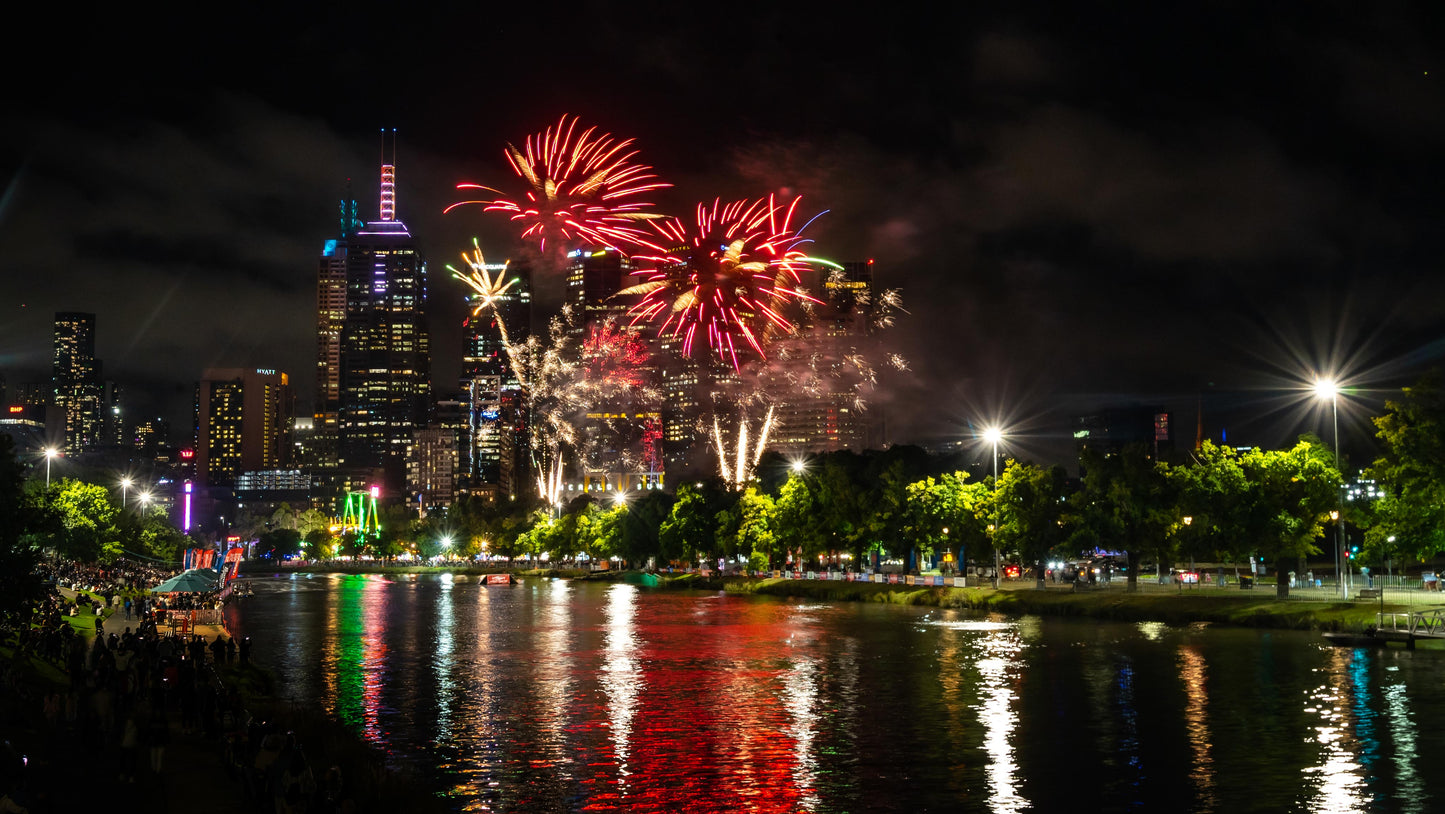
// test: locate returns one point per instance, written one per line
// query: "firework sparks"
(488, 290)
(730, 281)
(580, 187)
(614, 359)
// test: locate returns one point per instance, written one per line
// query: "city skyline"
(1081, 209)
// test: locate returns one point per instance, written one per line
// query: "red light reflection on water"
(709, 726)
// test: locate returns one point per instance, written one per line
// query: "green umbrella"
(196, 579)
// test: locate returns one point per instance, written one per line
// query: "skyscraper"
(487, 373)
(75, 381)
(243, 423)
(385, 353)
(825, 416)
(593, 280)
(330, 317)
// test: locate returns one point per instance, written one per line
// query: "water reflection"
(557, 696)
(1196, 721)
(999, 668)
(442, 663)
(552, 673)
(621, 679)
(800, 695)
(1337, 783)
(1408, 783)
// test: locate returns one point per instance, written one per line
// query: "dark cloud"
(1078, 204)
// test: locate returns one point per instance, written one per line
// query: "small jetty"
(1404, 628)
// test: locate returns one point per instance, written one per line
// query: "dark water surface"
(560, 696)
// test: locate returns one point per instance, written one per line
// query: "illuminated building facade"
(829, 419)
(431, 468)
(385, 353)
(243, 423)
(330, 318)
(75, 382)
(593, 280)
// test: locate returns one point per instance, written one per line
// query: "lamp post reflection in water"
(621, 679)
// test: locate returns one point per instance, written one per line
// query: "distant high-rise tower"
(487, 373)
(593, 280)
(330, 317)
(75, 381)
(243, 423)
(826, 418)
(483, 353)
(385, 351)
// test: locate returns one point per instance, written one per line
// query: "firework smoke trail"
(547, 371)
(738, 267)
(580, 187)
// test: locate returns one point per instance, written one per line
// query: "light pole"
(1328, 389)
(993, 435)
(50, 452)
(124, 488)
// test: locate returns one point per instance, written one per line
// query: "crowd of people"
(132, 693)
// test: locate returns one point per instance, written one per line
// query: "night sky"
(1083, 204)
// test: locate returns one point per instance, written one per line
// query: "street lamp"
(993, 435)
(1328, 389)
(124, 488)
(50, 452)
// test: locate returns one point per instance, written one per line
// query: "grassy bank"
(1259, 609)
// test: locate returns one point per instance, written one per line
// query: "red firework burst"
(730, 279)
(613, 359)
(581, 187)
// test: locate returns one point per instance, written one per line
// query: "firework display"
(580, 187)
(726, 289)
(488, 290)
(731, 282)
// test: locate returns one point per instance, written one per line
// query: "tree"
(1214, 494)
(1128, 501)
(1028, 502)
(1411, 473)
(22, 519)
(748, 526)
(795, 521)
(87, 517)
(638, 535)
(945, 512)
(1291, 495)
(690, 529)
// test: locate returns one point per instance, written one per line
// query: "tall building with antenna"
(385, 351)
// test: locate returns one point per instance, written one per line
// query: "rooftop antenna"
(388, 178)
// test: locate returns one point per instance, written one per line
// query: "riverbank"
(1258, 608)
(1305, 609)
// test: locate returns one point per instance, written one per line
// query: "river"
(564, 696)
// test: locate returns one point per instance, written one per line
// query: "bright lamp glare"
(1326, 388)
(993, 435)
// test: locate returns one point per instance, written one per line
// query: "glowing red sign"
(16, 408)
(187, 454)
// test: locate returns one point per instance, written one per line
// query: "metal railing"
(1416, 623)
